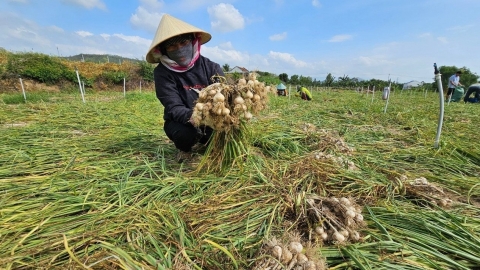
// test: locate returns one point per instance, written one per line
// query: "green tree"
(305, 81)
(295, 79)
(344, 81)
(146, 70)
(226, 67)
(378, 84)
(283, 77)
(329, 79)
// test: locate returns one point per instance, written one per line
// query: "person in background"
(453, 82)
(180, 75)
(303, 93)
(471, 89)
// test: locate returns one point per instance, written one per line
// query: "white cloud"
(145, 19)
(461, 28)
(316, 3)
(221, 56)
(195, 5)
(105, 36)
(133, 39)
(425, 35)
(442, 39)
(278, 37)
(88, 4)
(152, 4)
(340, 38)
(24, 35)
(56, 29)
(226, 45)
(286, 58)
(84, 33)
(225, 18)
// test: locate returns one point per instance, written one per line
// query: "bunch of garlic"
(338, 220)
(289, 256)
(223, 106)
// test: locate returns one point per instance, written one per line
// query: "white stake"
(373, 93)
(80, 85)
(387, 90)
(438, 78)
(140, 86)
(23, 90)
(124, 91)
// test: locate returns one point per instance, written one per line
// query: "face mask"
(183, 55)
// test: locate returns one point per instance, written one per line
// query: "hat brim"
(169, 27)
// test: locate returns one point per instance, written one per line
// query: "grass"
(95, 185)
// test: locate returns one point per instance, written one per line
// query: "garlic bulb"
(301, 258)
(345, 201)
(199, 106)
(225, 111)
(286, 256)
(350, 213)
(296, 247)
(277, 252)
(219, 97)
(239, 100)
(338, 237)
(242, 81)
(319, 230)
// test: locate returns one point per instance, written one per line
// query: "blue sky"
(381, 39)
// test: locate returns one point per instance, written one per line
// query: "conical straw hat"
(169, 27)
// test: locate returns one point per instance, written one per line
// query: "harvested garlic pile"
(223, 106)
(292, 255)
(338, 220)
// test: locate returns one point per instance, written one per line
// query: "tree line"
(347, 82)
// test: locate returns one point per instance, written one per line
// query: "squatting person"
(181, 73)
(303, 93)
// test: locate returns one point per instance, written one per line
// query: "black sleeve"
(172, 97)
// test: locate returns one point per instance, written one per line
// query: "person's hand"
(191, 121)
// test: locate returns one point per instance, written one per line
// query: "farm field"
(95, 185)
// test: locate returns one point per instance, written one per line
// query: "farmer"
(181, 73)
(303, 93)
(473, 88)
(453, 82)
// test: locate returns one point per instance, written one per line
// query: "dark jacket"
(173, 89)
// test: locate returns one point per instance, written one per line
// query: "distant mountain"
(100, 58)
